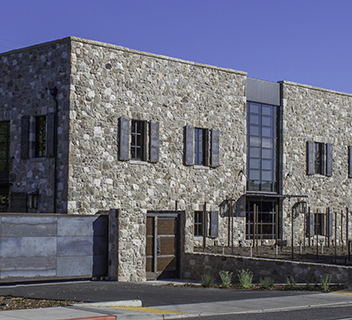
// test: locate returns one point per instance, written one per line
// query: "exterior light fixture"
(32, 199)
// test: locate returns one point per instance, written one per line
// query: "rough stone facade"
(197, 264)
(314, 114)
(26, 78)
(108, 83)
(101, 86)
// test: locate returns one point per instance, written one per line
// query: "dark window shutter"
(50, 135)
(329, 159)
(145, 140)
(214, 224)
(124, 139)
(25, 137)
(189, 150)
(215, 148)
(350, 162)
(311, 224)
(206, 147)
(154, 142)
(310, 157)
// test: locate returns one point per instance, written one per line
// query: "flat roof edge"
(291, 83)
(158, 56)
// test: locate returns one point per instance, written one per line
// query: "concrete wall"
(197, 264)
(47, 246)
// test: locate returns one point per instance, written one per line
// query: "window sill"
(200, 167)
(38, 159)
(139, 162)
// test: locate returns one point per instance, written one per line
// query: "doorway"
(163, 245)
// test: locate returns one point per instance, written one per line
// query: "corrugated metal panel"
(263, 91)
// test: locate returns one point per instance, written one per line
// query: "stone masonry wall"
(109, 82)
(314, 114)
(197, 264)
(26, 77)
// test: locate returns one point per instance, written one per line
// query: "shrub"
(290, 283)
(207, 279)
(266, 283)
(245, 277)
(325, 282)
(225, 277)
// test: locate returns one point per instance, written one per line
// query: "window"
(201, 147)
(319, 158)
(262, 147)
(40, 137)
(261, 219)
(43, 128)
(319, 223)
(138, 140)
(4, 150)
(198, 223)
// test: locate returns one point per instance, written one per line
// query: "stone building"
(180, 149)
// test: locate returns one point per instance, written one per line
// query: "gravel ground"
(13, 303)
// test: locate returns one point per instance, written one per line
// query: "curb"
(119, 303)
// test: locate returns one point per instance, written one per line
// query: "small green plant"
(266, 283)
(325, 282)
(207, 279)
(290, 283)
(245, 277)
(226, 278)
(187, 283)
(308, 285)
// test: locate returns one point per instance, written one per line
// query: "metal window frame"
(138, 149)
(275, 126)
(198, 223)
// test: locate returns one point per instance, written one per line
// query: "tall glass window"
(262, 147)
(137, 140)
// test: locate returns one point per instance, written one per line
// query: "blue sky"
(305, 41)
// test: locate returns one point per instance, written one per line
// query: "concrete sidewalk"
(133, 309)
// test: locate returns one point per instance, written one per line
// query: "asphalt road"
(151, 294)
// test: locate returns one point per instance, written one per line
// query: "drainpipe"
(53, 92)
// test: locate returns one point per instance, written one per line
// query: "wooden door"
(162, 247)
